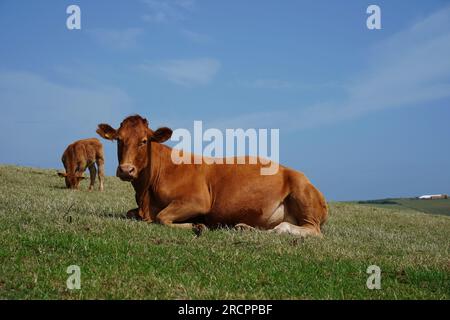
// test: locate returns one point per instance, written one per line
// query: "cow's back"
(82, 153)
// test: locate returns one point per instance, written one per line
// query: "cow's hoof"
(199, 228)
(133, 214)
(243, 227)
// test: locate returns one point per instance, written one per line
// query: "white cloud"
(186, 4)
(117, 39)
(277, 84)
(42, 117)
(267, 83)
(408, 69)
(195, 36)
(167, 10)
(30, 98)
(188, 73)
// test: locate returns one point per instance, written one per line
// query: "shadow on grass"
(120, 216)
(58, 187)
(82, 189)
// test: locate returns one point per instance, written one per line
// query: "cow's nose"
(126, 170)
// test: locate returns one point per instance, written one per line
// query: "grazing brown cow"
(79, 156)
(216, 194)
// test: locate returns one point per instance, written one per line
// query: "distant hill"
(440, 206)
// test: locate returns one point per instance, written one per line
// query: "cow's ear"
(62, 174)
(162, 134)
(106, 131)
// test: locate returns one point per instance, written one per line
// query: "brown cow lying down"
(79, 156)
(218, 194)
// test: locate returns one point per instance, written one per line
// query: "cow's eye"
(143, 142)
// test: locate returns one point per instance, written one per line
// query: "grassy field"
(44, 228)
(441, 206)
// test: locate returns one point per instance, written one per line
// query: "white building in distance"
(433, 196)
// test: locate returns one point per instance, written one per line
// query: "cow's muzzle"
(126, 172)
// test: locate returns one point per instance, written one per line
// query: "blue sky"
(365, 114)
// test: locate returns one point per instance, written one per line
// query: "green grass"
(44, 228)
(440, 206)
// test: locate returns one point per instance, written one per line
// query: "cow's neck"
(160, 157)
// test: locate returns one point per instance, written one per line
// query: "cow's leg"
(299, 231)
(92, 173)
(179, 211)
(142, 214)
(243, 227)
(306, 205)
(133, 214)
(143, 211)
(101, 172)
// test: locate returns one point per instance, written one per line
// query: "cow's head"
(132, 138)
(72, 179)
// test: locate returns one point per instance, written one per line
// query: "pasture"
(44, 228)
(439, 206)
